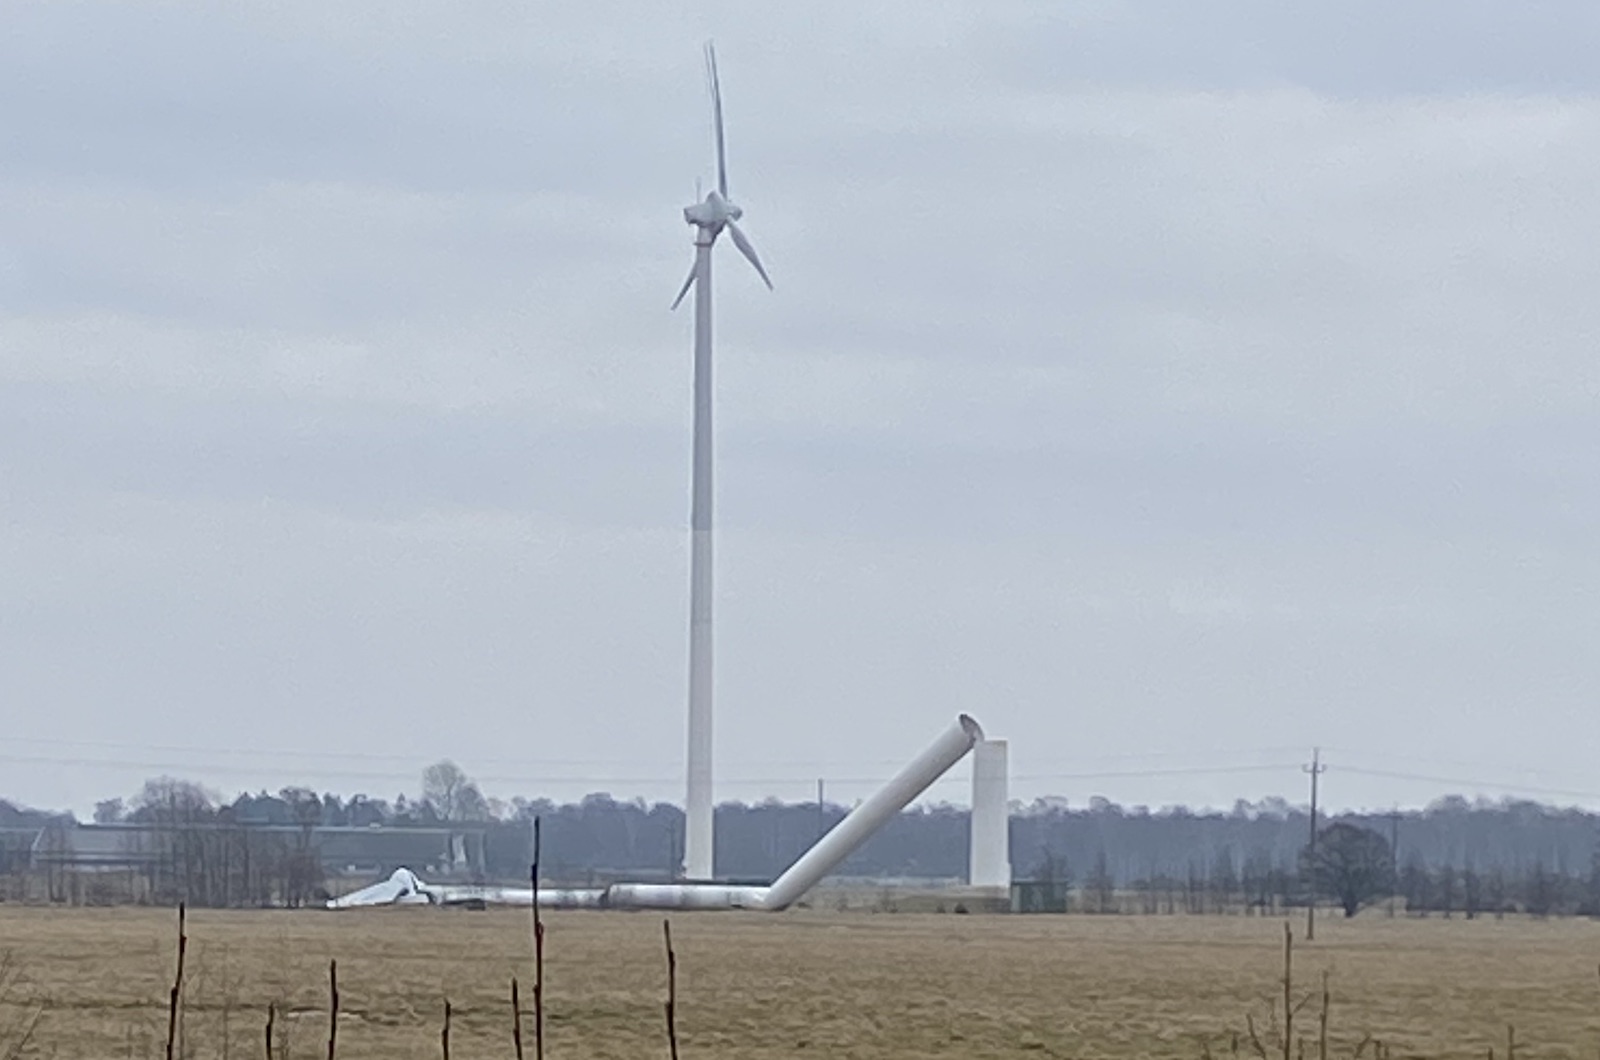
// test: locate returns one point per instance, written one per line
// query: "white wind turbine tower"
(709, 217)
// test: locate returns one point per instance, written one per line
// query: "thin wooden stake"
(538, 952)
(333, 1007)
(672, 991)
(1322, 1021)
(176, 996)
(272, 1016)
(1288, 987)
(516, 1018)
(444, 1035)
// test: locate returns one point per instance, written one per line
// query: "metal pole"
(1394, 857)
(1316, 769)
(822, 816)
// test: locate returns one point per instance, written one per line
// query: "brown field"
(873, 986)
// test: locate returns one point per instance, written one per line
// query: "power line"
(276, 757)
(1526, 789)
(360, 774)
(366, 755)
(1400, 756)
(1277, 767)
(287, 754)
(544, 773)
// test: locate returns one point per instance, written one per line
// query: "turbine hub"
(712, 212)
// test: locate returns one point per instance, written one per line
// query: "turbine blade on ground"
(687, 283)
(716, 110)
(743, 243)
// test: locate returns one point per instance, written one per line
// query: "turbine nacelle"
(712, 212)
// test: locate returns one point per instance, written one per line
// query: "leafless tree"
(1353, 865)
(452, 794)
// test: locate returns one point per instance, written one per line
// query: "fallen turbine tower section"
(404, 888)
(879, 809)
(828, 853)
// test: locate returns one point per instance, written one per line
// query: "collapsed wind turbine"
(827, 854)
(709, 218)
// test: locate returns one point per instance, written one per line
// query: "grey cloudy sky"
(1173, 386)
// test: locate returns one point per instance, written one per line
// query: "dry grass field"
(871, 986)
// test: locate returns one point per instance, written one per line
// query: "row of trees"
(188, 848)
(448, 796)
(1351, 868)
(1454, 856)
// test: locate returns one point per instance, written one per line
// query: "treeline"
(1351, 867)
(1454, 855)
(189, 849)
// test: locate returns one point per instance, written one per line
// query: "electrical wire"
(349, 775)
(547, 773)
(284, 754)
(1525, 789)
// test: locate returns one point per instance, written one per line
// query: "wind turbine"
(709, 217)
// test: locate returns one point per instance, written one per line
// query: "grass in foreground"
(875, 987)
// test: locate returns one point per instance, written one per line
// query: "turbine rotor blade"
(687, 283)
(741, 241)
(716, 111)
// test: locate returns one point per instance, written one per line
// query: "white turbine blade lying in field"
(402, 887)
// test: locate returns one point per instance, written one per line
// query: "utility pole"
(1316, 769)
(1394, 857)
(822, 817)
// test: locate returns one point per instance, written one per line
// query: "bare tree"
(1224, 881)
(1101, 884)
(452, 794)
(1353, 865)
(303, 868)
(175, 810)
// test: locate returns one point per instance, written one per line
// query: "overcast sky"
(1172, 386)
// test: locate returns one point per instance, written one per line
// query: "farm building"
(340, 851)
(210, 863)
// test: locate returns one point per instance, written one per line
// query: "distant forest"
(1454, 854)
